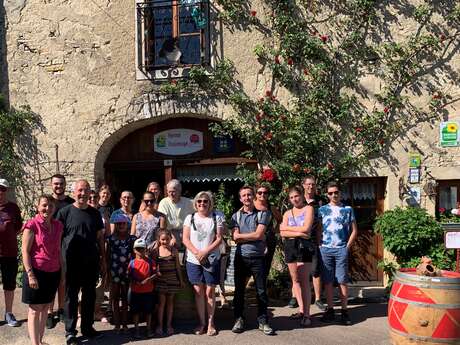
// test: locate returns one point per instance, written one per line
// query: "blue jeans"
(334, 265)
(255, 267)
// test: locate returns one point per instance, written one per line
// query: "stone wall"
(74, 63)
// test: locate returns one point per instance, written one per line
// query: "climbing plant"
(319, 53)
(16, 150)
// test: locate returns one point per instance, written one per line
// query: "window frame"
(166, 72)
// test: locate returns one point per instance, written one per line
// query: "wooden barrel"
(424, 310)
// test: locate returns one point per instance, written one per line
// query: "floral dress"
(120, 256)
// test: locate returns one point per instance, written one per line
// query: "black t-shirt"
(62, 203)
(317, 202)
(105, 211)
(79, 240)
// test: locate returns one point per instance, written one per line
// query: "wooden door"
(366, 196)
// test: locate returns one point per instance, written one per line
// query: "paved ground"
(369, 328)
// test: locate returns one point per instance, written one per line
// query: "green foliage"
(389, 268)
(410, 233)
(15, 125)
(224, 202)
(319, 53)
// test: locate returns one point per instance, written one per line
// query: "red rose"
(268, 136)
(268, 175)
(253, 13)
(386, 110)
(268, 93)
(324, 38)
(442, 210)
(290, 62)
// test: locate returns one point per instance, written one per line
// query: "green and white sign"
(448, 134)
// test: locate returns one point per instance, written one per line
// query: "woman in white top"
(202, 236)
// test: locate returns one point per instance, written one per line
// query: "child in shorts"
(142, 271)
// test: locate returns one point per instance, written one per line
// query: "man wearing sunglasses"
(248, 226)
(339, 231)
(10, 225)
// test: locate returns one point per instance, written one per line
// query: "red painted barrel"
(424, 310)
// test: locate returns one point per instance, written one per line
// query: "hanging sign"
(448, 134)
(176, 142)
(415, 160)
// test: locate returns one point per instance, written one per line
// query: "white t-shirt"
(202, 235)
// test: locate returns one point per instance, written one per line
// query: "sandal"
(212, 332)
(170, 331)
(306, 321)
(200, 330)
(159, 332)
(296, 316)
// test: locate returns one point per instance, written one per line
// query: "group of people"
(79, 246)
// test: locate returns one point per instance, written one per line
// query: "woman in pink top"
(41, 256)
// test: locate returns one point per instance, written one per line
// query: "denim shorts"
(334, 265)
(198, 275)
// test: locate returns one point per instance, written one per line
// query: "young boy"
(142, 272)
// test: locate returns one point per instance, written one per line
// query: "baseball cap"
(140, 243)
(4, 183)
(120, 218)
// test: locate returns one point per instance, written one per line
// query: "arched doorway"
(182, 148)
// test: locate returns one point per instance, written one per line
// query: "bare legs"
(166, 301)
(205, 300)
(9, 298)
(119, 291)
(317, 288)
(300, 272)
(36, 320)
(200, 307)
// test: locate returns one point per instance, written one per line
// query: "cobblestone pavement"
(369, 328)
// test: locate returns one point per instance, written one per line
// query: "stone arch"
(113, 138)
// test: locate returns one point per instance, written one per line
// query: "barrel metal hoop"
(413, 277)
(425, 339)
(425, 305)
(424, 285)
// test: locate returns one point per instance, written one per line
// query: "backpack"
(223, 245)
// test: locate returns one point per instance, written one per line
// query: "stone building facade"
(76, 64)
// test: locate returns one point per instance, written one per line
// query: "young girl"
(119, 254)
(295, 230)
(169, 282)
(142, 271)
(41, 250)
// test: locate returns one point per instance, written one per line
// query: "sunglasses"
(202, 201)
(262, 193)
(149, 202)
(333, 193)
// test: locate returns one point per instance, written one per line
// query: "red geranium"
(290, 61)
(268, 175)
(253, 13)
(324, 38)
(442, 210)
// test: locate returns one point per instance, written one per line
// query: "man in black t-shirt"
(58, 185)
(82, 253)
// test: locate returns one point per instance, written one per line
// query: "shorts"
(48, 283)
(9, 268)
(297, 250)
(198, 275)
(140, 302)
(334, 265)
